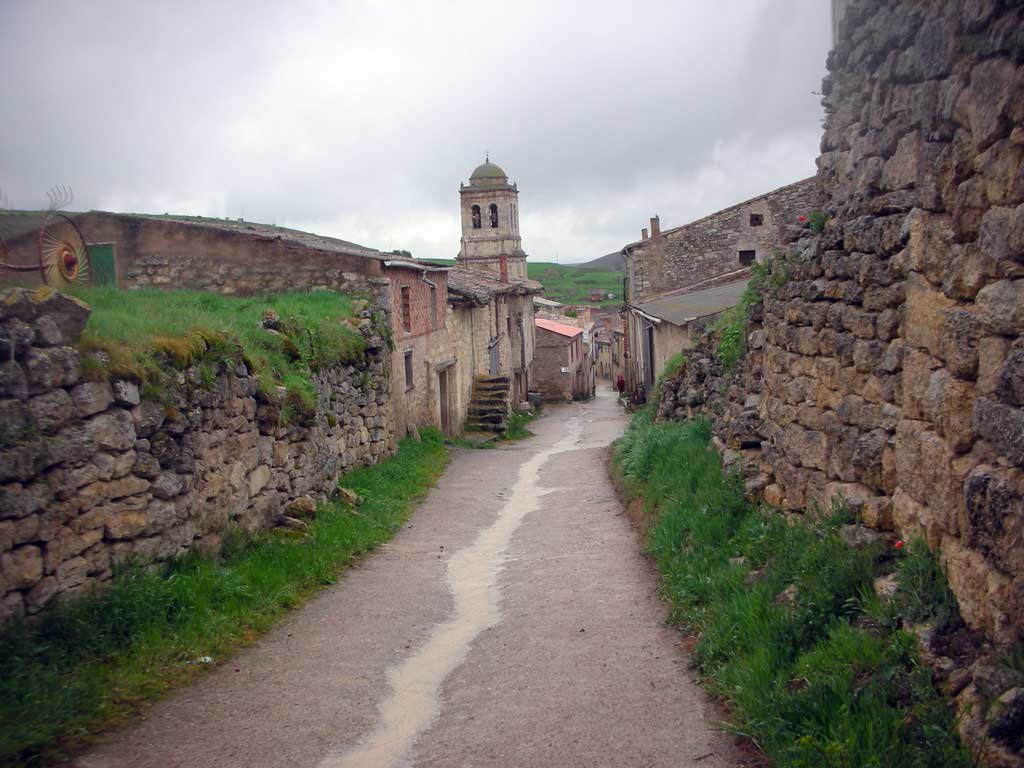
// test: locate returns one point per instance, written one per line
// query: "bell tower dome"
(490, 224)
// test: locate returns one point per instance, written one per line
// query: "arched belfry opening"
(494, 215)
(475, 214)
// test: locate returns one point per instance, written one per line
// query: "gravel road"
(512, 622)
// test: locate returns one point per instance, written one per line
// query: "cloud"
(359, 119)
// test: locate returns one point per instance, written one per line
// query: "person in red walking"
(620, 384)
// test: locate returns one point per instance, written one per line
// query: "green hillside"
(572, 285)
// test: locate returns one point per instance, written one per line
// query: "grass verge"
(144, 335)
(97, 659)
(813, 668)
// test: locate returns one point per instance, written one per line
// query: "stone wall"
(888, 367)
(91, 475)
(212, 255)
(709, 247)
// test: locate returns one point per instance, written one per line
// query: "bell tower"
(490, 224)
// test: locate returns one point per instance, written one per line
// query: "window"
(433, 307)
(408, 370)
(756, 219)
(476, 216)
(494, 216)
(747, 258)
(508, 326)
(406, 310)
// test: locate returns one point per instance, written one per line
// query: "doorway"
(444, 396)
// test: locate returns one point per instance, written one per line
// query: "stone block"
(258, 479)
(988, 101)
(112, 431)
(1001, 307)
(67, 312)
(959, 343)
(1001, 167)
(13, 381)
(50, 368)
(1001, 425)
(166, 485)
(46, 333)
(925, 318)
(41, 594)
(22, 567)
(949, 403)
(126, 393)
(91, 397)
(992, 351)
(124, 523)
(51, 410)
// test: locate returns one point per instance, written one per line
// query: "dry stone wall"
(92, 475)
(889, 367)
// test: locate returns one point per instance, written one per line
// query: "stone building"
(490, 295)
(424, 386)
(562, 365)
(490, 224)
(721, 247)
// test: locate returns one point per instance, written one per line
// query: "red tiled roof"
(559, 328)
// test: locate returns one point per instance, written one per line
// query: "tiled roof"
(481, 287)
(559, 328)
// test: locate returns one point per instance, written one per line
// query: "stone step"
(484, 379)
(487, 418)
(478, 407)
(490, 402)
(478, 387)
(475, 426)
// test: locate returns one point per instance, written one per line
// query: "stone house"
(561, 365)
(424, 387)
(716, 253)
(671, 322)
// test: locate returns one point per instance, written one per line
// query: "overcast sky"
(359, 119)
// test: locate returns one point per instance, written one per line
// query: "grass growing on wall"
(821, 676)
(95, 660)
(142, 334)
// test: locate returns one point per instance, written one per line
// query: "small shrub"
(818, 220)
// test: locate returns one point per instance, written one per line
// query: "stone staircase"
(488, 408)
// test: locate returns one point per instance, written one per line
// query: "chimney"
(655, 226)
(643, 233)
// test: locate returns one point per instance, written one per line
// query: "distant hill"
(572, 283)
(613, 262)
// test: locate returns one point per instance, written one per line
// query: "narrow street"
(512, 622)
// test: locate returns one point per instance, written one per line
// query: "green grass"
(515, 428)
(143, 334)
(569, 284)
(813, 681)
(94, 661)
(572, 285)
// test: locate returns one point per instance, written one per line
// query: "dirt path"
(512, 622)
